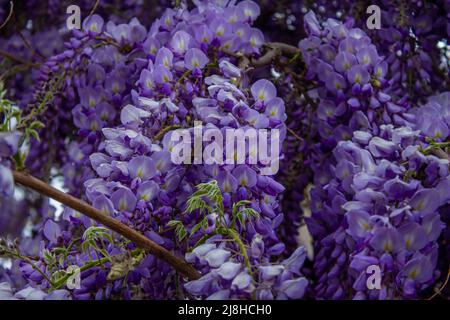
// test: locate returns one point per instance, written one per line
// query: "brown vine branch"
(140, 240)
(276, 48)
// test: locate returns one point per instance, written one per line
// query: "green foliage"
(208, 199)
(209, 190)
(180, 230)
(11, 120)
(94, 235)
(241, 213)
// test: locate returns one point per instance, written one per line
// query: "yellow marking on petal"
(387, 246)
(408, 243)
(220, 31)
(94, 126)
(261, 95)
(195, 63)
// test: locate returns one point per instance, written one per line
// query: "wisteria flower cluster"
(362, 118)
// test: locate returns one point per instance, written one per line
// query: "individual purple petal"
(419, 269)
(242, 280)
(387, 240)
(103, 204)
(245, 176)
(275, 109)
(217, 257)
(58, 295)
(358, 74)
(425, 201)
(367, 56)
(263, 90)
(433, 226)
(9, 143)
(220, 295)
(93, 24)
(398, 189)
(6, 182)
(52, 231)
(414, 236)
(131, 114)
(227, 182)
(195, 58)
(358, 223)
(229, 270)
(148, 190)
(295, 262)
(124, 199)
(142, 167)
(270, 272)
(30, 293)
(380, 70)
(229, 69)
(164, 58)
(256, 119)
(200, 286)
(295, 288)
(248, 10)
(162, 161)
(335, 82)
(381, 148)
(162, 75)
(180, 42)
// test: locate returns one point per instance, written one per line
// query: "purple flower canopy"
(299, 169)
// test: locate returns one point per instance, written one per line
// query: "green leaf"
(37, 125)
(58, 276)
(196, 228)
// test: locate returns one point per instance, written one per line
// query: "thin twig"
(29, 46)
(93, 9)
(140, 240)
(11, 9)
(164, 130)
(294, 134)
(442, 287)
(16, 58)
